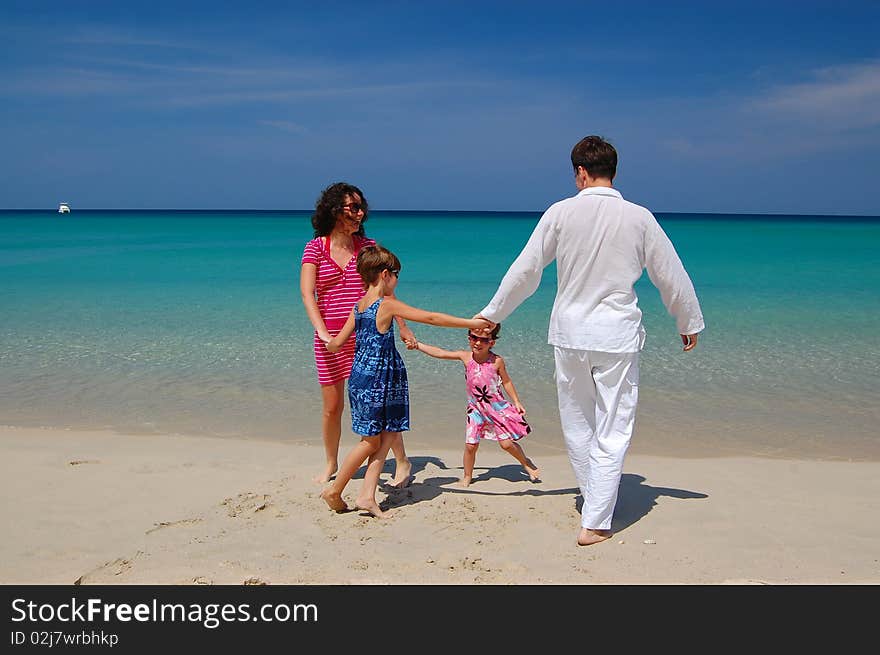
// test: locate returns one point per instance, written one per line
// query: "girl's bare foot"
(465, 481)
(588, 537)
(402, 476)
(533, 471)
(327, 475)
(371, 506)
(334, 500)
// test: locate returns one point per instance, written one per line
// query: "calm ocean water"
(191, 323)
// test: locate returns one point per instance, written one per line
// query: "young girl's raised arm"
(392, 307)
(336, 342)
(439, 353)
(507, 383)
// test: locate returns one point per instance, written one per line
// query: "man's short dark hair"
(596, 155)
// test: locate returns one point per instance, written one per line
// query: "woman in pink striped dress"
(330, 286)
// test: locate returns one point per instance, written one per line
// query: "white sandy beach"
(93, 507)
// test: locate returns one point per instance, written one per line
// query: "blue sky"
(770, 107)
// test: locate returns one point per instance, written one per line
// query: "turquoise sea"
(191, 323)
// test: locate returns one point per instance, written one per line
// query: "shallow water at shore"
(163, 322)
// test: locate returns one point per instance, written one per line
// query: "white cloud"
(848, 96)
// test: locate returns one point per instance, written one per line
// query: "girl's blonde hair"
(372, 260)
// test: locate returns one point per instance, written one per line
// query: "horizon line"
(422, 211)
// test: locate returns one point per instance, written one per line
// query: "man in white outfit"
(601, 244)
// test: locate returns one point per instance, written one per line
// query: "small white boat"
(63, 208)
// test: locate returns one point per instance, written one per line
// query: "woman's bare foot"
(334, 500)
(465, 481)
(371, 506)
(402, 476)
(533, 471)
(588, 537)
(327, 475)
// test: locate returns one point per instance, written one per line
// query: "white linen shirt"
(601, 244)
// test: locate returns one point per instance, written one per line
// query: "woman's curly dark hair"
(330, 204)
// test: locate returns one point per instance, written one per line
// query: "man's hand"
(483, 318)
(689, 341)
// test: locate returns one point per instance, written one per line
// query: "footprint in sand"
(247, 503)
(113, 568)
(168, 524)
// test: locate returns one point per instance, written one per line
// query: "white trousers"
(598, 393)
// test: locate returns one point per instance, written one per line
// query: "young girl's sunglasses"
(474, 337)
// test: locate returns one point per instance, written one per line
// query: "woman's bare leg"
(333, 396)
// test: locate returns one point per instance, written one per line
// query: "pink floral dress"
(489, 414)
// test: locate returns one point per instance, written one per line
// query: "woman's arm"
(336, 342)
(308, 278)
(507, 383)
(439, 353)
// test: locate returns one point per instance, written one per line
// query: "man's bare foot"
(402, 476)
(465, 481)
(588, 537)
(371, 506)
(334, 500)
(533, 471)
(327, 475)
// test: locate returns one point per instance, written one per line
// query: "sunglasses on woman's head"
(395, 272)
(354, 207)
(474, 337)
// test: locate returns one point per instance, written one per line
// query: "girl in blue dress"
(377, 388)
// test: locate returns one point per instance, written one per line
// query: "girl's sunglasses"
(474, 337)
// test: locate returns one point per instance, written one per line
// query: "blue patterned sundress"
(378, 393)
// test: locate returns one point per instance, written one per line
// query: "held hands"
(407, 336)
(486, 326)
(689, 341)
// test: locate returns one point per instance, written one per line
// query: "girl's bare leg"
(513, 448)
(366, 499)
(332, 494)
(402, 467)
(331, 427)
(470, 456)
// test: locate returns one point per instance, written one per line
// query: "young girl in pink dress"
(489, 414)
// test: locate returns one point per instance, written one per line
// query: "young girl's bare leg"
(332, 396)
(513, 448)
(366, 499)
(403, 467)
(332, 494)
(470, 456)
